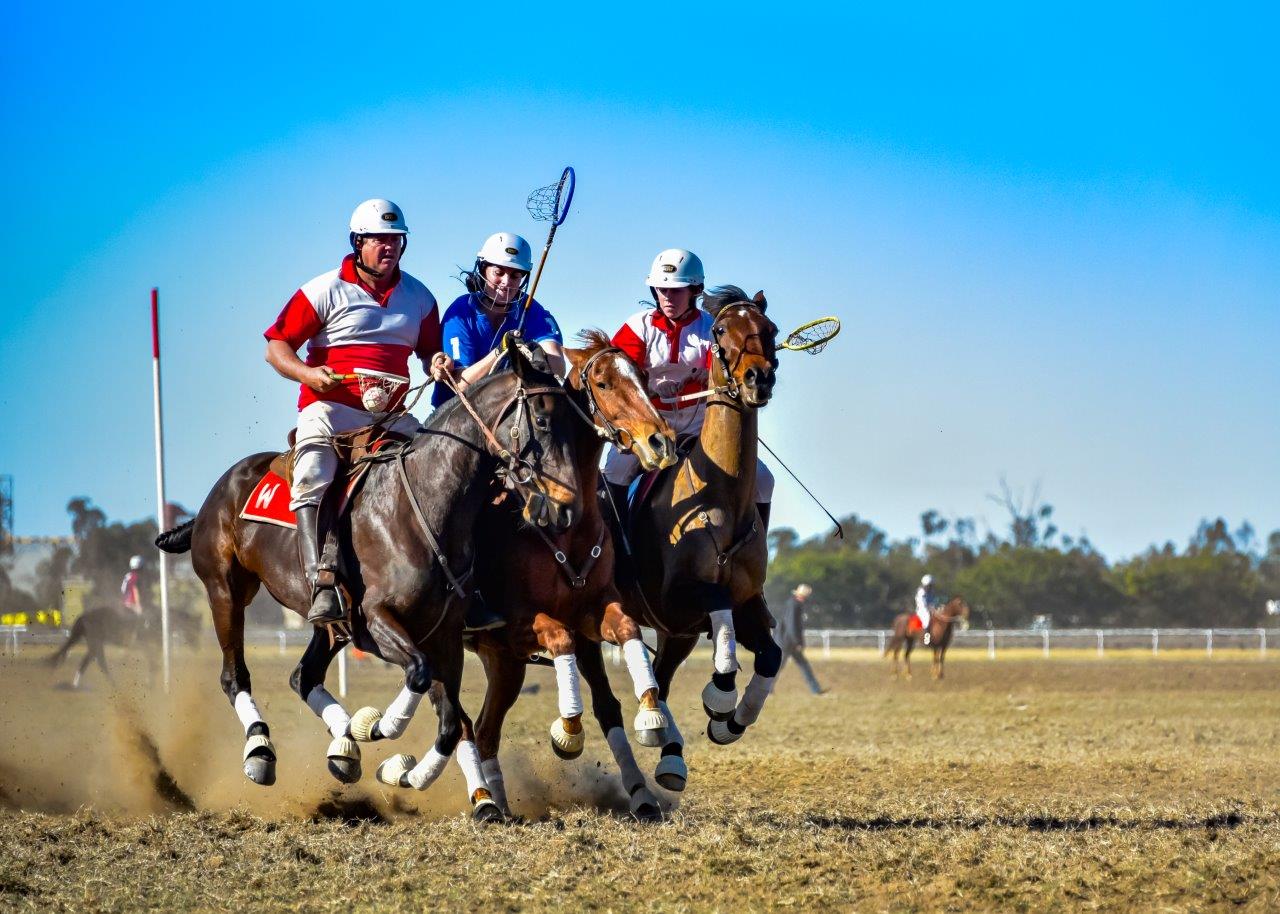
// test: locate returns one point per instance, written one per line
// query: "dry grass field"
(1018, 784)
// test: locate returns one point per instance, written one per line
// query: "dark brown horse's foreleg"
(754, 634)
(608, 713)
(307, 681)
(394, 644)
(504, 678)
(672, 772)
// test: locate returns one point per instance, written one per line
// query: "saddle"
(351, 447)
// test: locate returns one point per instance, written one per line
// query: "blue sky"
(1053, 236)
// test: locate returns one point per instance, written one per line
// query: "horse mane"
(721, 297)
(595, 340)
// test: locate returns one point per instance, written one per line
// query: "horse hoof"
(672, 773)
(392, 771)
(364, 723)
(644, 806)
(720, 732)
(652, 739)
(718, 705)
(651, 727)
(344, 760)
(566, 745)
(260, 760)
(487, 812)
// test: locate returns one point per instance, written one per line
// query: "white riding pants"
(315, 462)
(621, 469)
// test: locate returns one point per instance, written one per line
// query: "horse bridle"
(595, 416)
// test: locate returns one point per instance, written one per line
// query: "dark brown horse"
(557, 592)
(941, 623)
(108, 625)
(699, 543)
(408, 556)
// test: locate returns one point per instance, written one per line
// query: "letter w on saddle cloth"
(268, 503)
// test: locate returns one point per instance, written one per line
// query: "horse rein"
(519, 472)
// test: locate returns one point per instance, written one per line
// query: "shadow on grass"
(1028, 823)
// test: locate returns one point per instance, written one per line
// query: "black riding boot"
(481, 616)
(325, 606)
(624, 574)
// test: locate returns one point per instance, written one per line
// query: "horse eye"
(542, 423)
(717, 330)
(602, 385)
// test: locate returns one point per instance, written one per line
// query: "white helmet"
(135, 563)
(675, 268)
(506, 249)
(378, 217)
(926, 581)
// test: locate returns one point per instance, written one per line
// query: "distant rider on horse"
(926, 603)
(672, 342)
(368, 315)
(131, 587)
(495, 304)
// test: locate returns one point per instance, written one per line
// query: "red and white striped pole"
(161, 520)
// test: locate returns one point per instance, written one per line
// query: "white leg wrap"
(327, 708)
(399, 713)
(673, 732)
(468, 757)
(627, 767)
(569, 685)
(722, 638)
(754, 696)
(639, 667)
(247, 711)
(424, 774)
(493, 777)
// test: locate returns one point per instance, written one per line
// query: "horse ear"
(577, 358)
(759, 299)
(519, 363)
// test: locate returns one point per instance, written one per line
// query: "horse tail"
(77, 632)
(178, 539)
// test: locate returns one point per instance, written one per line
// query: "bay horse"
(698, 541)
(408, 556)
(109, 625)
(557, 591)
(941, 622)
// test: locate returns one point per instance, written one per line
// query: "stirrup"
(324, 613)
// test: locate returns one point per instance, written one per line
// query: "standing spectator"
(790, 636)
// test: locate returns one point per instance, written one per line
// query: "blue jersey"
(469, 336)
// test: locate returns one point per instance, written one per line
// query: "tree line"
(1220, 578)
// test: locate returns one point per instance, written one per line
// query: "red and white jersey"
(129, 595)
(676, 355)
(348, 325)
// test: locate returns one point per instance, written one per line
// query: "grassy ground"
(1020, 784)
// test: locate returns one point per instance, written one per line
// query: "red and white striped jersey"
(347, 325)
(676, 355)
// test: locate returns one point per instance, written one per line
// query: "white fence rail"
(1099, 640)
(289, 642)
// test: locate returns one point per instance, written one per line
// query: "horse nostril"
(658, 443)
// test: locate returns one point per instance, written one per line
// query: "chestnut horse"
(557, 591)
(408, 556)
(940, 624)
(698, 541)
